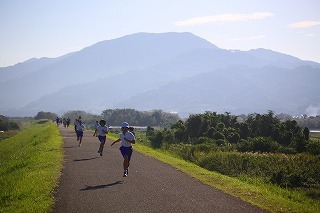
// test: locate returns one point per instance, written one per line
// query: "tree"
(193, 124)
(46, 115)
(244, 131)
(6, 124)
(139, 118)
(306, 133)
(234, 138)
(156, 139)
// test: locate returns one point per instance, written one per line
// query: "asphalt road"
(91, 183)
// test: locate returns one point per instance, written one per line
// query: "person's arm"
(116, 141)
(130, 141)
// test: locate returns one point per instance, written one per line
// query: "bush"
(258, 144)
(46, 115)
(6, 124)
(313, 147)
(156, 139)
(300, 170)
(202, 140)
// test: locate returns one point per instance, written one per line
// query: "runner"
(57, 121)
(68, 122)
(102, 130)
(80, 127)
(96, 128)
(76, 122)
(126, 138)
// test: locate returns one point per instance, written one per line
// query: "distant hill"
(170, 71)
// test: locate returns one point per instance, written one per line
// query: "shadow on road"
(85, 159)
(68, 147)
(100, 186)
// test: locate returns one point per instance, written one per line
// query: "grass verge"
(254, 191)
(30, 164)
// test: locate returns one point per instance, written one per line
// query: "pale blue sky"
(41, 28)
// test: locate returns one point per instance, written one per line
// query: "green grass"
(255, 191)
(30, 164)
(315, 135)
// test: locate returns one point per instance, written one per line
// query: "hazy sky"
(43, 28)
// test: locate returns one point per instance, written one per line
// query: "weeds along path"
(94, 183)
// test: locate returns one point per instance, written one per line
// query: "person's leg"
(80, 137)
(101, 148)
(125, 162)
(125, 165)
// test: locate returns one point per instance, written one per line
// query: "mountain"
(237, 89)
(170, 71)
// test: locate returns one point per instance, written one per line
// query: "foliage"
(46, 115)
(88, 119)
(6, 124)
(139, 118)
(253, 147)
(258, 144)
(313, 147)
(257, 133)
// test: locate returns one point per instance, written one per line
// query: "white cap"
(124, 125)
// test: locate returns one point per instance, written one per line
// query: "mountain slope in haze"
(237, 89)
(103, 59)
(151, 71)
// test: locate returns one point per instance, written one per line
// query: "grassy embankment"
(30, 164)
(267, 196)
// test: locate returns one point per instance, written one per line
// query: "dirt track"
(91, 183)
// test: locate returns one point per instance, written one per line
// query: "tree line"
(257, 133)
(6, 124)
(114, 117)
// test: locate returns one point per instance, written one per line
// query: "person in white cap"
(127, 139)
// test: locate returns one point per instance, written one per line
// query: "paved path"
(91, 183)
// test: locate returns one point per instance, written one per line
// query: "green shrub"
(313, 147)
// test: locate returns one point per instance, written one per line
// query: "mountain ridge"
(115, 73)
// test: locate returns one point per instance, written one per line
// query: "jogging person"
(127, 139)
(96, 125)
(80, 127)
(102, 130)
(76, 122)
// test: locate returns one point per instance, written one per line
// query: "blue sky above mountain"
(36, 29)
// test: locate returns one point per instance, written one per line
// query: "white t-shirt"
(129, 136)
(100, 130)
(80, 127)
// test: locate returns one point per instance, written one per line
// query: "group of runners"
(64, 121)
(126, 137)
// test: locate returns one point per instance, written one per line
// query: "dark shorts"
(126, 151)
(102, 139)
(79, 134)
